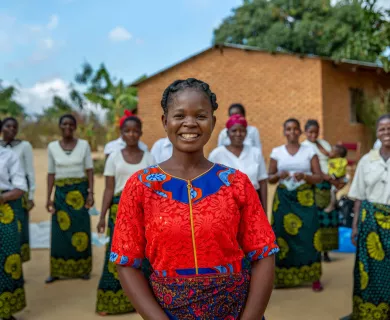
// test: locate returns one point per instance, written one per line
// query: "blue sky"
(44, 42)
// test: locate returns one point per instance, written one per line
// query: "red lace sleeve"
(128, 242)
(255, 234)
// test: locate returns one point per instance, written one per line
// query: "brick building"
(272, 87)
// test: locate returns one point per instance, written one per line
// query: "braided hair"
(180, 85)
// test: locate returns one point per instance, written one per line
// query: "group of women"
(188, 237)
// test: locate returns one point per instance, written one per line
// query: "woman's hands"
(50, 206)
(90, 201)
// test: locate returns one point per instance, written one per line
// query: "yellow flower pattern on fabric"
(284, 248)
(292, 223)
(382, 220)
(374, 247)
(112, 269)
(63, 220)
(19, 226)
(7, 215)
(80, 241)
(364, 214)
(318, 241)
(11, 302)
(363, 276)
(369, 311)
(13, 266)
(295, 276)
(75, 199)
(322, 198)
(113, 302)
(70, 268)
(276, 203)
(113, 212)
(25, 252)
(306, 198)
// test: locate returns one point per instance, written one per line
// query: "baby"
(337, 169)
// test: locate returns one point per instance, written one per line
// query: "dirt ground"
(75, 299)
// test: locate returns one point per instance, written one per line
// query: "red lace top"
(201, 226)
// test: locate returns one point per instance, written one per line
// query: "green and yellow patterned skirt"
(12, 297)
(295, 223)
(329, 222)
(23, 228)
(71, 251)
(371, 294)
(110, 297)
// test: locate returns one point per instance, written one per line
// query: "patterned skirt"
(71, 251)
(205, 297)
(24, 229)
(12, 296)
(295, 223)
(329, 222)
(371, 294)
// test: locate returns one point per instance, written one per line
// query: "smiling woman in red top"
(195, 221)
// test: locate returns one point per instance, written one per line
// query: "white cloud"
(48, 43)
(53, 22)
(119, 34)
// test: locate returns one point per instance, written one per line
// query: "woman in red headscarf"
(243, 157)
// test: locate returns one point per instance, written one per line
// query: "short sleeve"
(29, 167)
(128, 242)
(213, 156)
(256, 138)
(275, 154)
(109, 168)
(143, 146)
(51, 165)
(16, 173)
(255, 234)
(357, 190)
(222, 137)
(262, 170)
(88, 163)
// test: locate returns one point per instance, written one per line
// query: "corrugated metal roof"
(251, 48)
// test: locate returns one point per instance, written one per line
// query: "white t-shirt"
(25, 153)
(72, 165)
(321, 157)
(252, 137)
(120, 144)
(250, 162)
(372, 179)
(11, 172)
(162, 150)
(117, 167)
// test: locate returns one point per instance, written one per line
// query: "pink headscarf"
(236, 119)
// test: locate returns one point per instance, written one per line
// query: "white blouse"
(120, 144)
(321, 157)
(162, 150)
(252, 137)
(372, 179)
(24, 151)
(72, 165)
(11, 172)
(116, 166)
(250, 162)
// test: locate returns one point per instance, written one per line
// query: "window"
(355, 102)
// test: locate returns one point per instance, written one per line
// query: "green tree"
(350, 29)
(8, 105)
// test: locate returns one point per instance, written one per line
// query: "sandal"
(51, 279)
(317, 286)
(327, 258)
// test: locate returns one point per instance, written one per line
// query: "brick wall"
(336, 81)
(271, 87)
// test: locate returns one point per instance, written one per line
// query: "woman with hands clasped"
(70, 169)
(296, 169)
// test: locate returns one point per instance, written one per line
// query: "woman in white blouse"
(328, 220)
(245, 158)
(25, 153)
(294, 214)
(120, 166)
(12, 186)
(252, 136)
(371, 229)
(70, 169)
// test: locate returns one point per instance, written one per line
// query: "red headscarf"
(126, 114)
(236, 119)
